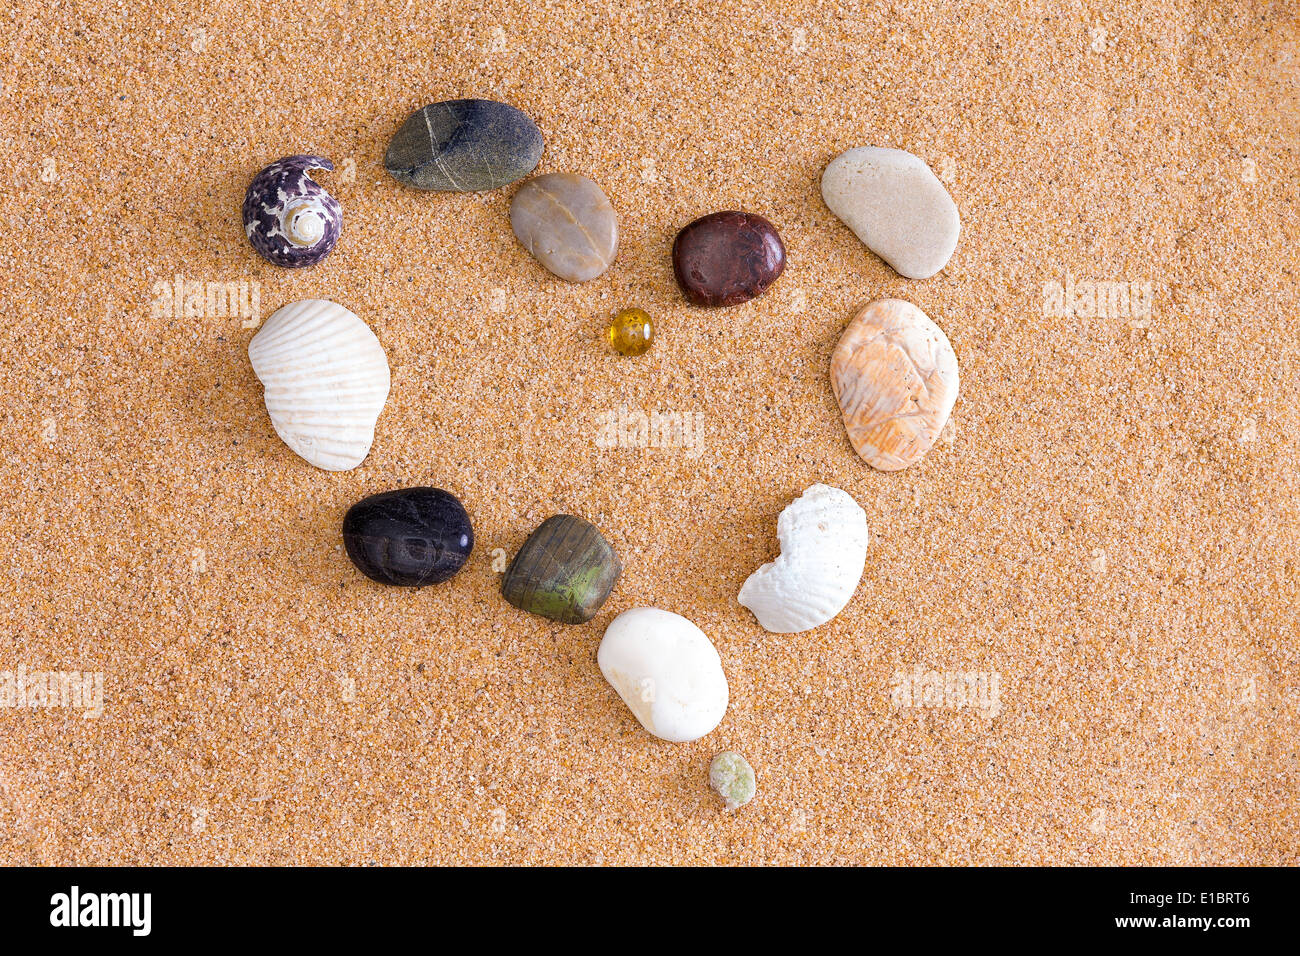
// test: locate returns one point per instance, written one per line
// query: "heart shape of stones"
(893, 373)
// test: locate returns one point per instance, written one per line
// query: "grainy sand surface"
(1109, 525)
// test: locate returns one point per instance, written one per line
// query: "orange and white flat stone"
(894, 374)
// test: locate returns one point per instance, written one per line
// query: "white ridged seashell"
(666, 670)
(824, 538)
(326, 379)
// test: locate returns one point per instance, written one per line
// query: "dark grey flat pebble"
(464, 146)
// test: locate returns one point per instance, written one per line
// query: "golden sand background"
(1110, 525)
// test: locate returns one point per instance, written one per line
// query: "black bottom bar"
(1226, 906)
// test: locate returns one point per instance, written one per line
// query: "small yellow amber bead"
(631, 332)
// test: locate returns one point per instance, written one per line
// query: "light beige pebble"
(896, 205)
(567, 222)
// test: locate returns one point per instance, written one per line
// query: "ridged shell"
(326, 379)
(894, 374)
(824, 538)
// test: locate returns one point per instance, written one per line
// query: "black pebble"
(410, 537)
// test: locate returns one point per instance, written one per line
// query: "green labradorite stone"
(564, 571)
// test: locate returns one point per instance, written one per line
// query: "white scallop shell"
(824, 538)
(667, 672)
(326, 379)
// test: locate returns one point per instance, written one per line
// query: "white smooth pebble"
(667, 672)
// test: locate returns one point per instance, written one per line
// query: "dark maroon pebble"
(726, 258)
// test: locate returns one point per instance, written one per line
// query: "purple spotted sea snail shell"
(289, 217)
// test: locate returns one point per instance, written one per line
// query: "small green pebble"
(731, 775)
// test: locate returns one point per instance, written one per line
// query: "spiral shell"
(326, 379)
(823, 551)
(289, 218)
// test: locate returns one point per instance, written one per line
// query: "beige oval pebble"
(566, 221)
(896, 205)
(894, 374)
